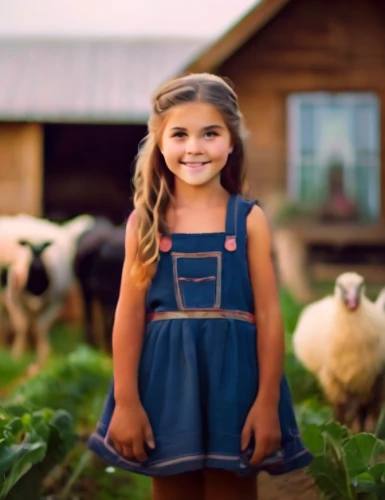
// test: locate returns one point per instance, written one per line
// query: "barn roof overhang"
(209, 60)
(90, 81)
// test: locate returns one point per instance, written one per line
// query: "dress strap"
(236, 231)
(245, 207)
(232, 223)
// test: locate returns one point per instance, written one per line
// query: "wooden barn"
(72, 113)
(310, 76)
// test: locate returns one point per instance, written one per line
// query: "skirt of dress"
(197, 382)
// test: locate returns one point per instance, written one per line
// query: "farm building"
(310, 76)
(310, 80)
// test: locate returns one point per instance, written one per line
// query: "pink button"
(231, 243)
(165, 244)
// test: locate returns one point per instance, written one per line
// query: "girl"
(199, 401)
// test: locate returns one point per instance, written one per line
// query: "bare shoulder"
(257, 225)
(259, 256)
(130, 294)
(131, 239)
(131, 221)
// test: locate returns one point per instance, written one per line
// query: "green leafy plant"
(345, 466)
(33, 440)
(77, 383)
(30, 445)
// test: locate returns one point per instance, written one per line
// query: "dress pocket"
(198, 292)
(197, 280)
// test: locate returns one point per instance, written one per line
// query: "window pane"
(327, 131)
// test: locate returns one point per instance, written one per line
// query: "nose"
(193, 146)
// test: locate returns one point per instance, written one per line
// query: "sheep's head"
(350, 288)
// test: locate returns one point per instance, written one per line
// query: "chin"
(197, 183)
(197, 180)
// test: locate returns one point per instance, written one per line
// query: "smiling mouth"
(194, 164)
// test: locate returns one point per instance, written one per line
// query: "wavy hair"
(153, 181)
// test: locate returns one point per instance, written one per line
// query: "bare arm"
(267, 308)
(129, 324)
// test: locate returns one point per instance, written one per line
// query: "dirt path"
(295, 485)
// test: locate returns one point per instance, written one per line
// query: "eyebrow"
(205, 129)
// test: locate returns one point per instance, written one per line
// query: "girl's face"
(195, 143)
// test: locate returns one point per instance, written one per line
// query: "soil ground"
(295, 485)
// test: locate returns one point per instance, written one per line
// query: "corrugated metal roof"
(83, 80)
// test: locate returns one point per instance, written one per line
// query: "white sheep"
(53, 266)
(341, 339)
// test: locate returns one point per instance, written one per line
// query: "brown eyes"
(206, 134)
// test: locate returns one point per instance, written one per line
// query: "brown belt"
(202, 314)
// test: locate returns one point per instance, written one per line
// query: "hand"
(263, 422)
(130, 431)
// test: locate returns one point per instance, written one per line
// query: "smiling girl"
(199, 400)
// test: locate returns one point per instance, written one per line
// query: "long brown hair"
(153, 181)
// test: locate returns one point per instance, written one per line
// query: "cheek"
(172, 156)
(172, 151)
(220, 150)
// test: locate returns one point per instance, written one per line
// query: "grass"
(88, 477)
(11, 370)
(64, 339)
(109, 483)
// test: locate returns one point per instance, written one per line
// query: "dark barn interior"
(88, 169)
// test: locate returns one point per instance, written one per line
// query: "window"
(330, 130)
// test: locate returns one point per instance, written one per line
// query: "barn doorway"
(88, 169)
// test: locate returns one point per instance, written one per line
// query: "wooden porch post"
(21, 168)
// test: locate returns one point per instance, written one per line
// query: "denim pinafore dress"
(198, 374)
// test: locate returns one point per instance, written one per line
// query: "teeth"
(191, 164)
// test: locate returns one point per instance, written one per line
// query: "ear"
(231, 150)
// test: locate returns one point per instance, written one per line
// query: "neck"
(208, 195)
